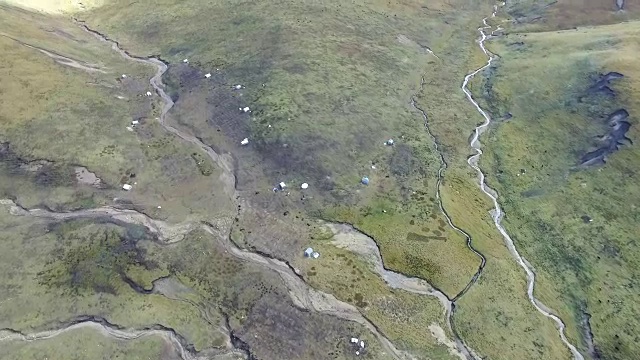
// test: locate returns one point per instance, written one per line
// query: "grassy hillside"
(328, 83)
(575, 224)
(64, 114)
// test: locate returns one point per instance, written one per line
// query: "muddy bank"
(610, 142)
(602, 85)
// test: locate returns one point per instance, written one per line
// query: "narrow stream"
(497, 213)
(450, 303)
(443, 167)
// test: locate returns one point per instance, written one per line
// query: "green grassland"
(337, 81)
(583, 267)
(328, 83)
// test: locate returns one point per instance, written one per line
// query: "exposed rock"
(617, 120)
(602, 84)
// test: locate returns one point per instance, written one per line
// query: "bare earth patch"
(86, 177)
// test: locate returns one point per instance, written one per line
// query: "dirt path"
(497, 213)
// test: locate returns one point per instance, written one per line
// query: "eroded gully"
(496, 212)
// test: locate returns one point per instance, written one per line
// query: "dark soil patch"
(402, 162)
(275, 329)
(417, 237)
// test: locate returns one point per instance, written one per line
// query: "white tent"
(308, 252)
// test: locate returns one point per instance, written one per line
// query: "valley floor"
(133, 205)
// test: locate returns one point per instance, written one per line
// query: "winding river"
(497, 213)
